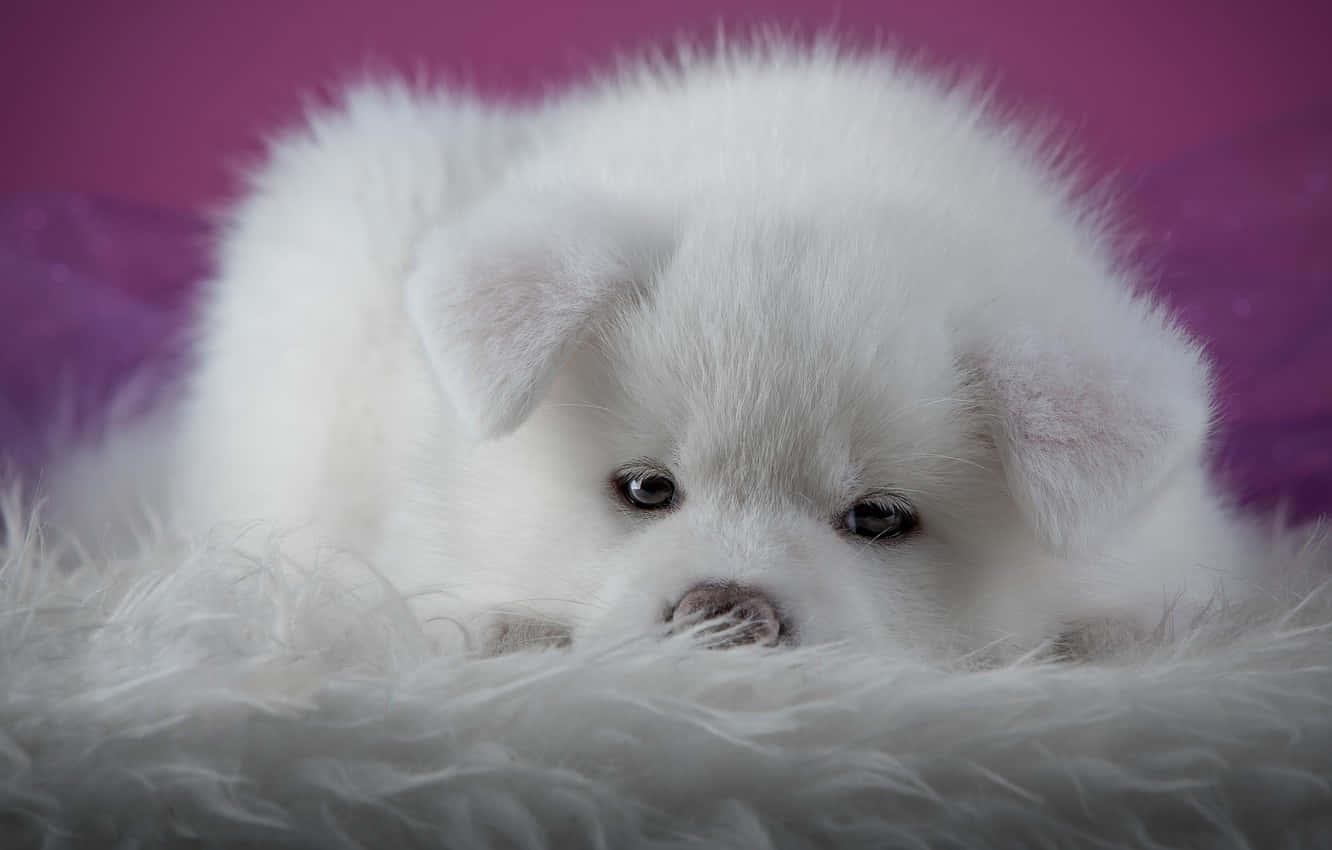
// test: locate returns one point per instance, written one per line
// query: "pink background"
(159, 100)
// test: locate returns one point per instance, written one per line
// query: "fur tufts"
(199, 695)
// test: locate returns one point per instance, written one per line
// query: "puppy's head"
(864, 426)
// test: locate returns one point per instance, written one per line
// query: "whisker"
(599, 408)
(530, 599)
(937, 456)
(923, 403)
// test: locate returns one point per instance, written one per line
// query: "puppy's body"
(789, 281)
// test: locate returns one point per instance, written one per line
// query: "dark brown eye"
(880, 519)
(647, 491)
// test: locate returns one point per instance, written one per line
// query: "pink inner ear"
(500, 300)
(1087, 436)
(513, 325)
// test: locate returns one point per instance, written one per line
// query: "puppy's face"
(802, 426)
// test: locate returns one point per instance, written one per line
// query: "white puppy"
(807, 338)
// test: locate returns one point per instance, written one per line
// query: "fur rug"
(202, 696)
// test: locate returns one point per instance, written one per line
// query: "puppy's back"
(308, 393)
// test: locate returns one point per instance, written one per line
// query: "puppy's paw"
(505, 633)
(1098, 639)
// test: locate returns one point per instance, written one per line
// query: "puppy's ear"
(501, 298)
(1091, 414)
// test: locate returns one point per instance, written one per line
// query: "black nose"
(742, 614)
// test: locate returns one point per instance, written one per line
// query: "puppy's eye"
(880, 519)
(648, 491)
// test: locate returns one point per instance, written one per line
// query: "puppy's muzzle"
(731, 613)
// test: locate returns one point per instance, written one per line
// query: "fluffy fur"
(205, 697)
(792, 278)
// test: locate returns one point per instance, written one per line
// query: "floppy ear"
(1090, 414)
(501, 298)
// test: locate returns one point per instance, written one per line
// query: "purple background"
(124, 119)
(159, 100)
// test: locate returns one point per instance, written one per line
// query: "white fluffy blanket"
(202, 697)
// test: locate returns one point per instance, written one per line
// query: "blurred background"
(125, 120)
(157, 100)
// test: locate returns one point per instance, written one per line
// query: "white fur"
(790, 276)
(201, 697)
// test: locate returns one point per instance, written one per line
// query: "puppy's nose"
(743, 614)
